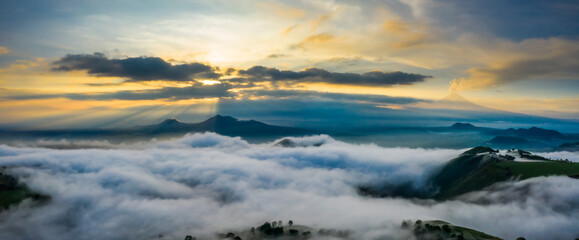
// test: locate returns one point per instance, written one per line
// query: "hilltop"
(433, 229)
(476, 169)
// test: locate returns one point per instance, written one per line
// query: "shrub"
(293, 232)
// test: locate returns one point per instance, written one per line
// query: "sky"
(121, 63)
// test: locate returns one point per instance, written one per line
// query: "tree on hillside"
(446, 228)
(404, 225)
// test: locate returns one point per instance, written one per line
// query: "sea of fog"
(201, 184)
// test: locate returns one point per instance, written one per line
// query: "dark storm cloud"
(373, 78)
(135, 69)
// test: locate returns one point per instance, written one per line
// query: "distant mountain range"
(458, 135)
(224, 125)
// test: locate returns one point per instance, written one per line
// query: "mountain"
(454, 101)
(474, 170)
(508, 142)
(569, 147)
(456, 108)
(428, 229)
(230, 126)
(167, 126)
(224, 125)
(533, 132)
(482, 167)
(463, 126)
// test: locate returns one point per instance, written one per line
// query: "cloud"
(203, 183)
(4, 50)
(368, 98)
(195, 91)
(135, 68)
(277, 55)
(314, 40)
(532, 60)
(373, 78)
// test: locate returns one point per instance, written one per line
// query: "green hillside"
(481, 167)
(11, 192)
(526, 170)
(438, 229)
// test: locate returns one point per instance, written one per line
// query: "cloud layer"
(373, 78)
(135, 68)
(204, 183)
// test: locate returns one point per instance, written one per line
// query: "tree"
(188, 237)
(446, 228)
(521, 238)
(265, 226)
(290, 223)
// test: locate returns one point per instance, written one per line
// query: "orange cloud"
(4, 50)
(534, 59)
(314, 40)
(321, 20)
(406, 34)
(283, 10)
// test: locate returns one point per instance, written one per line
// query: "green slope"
(526, 170)
(437, 229)
(11, 192)
(481, 167)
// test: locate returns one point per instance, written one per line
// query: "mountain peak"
(222, 118)
(170, 121)
(457, 102)
(459, 125)
(454, 97)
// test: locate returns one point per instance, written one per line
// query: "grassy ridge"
(481, 167)
(537, 169)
